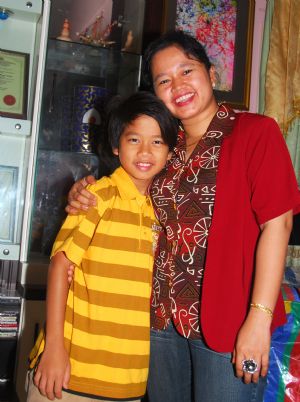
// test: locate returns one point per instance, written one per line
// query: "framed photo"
(8, 197)
(14, 68)
(225, 29)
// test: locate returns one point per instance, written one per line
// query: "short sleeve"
(271, 175)
(76, 234)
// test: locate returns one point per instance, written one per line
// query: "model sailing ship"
(98, 33)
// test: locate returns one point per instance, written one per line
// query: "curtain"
(282, 71)
(279, 95)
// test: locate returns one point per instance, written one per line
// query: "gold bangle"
(263, 308)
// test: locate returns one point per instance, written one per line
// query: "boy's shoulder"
(114, 185)
(117, 185)
(105, 188)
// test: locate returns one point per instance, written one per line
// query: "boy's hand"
(53, 372)
(70, 274)
(79, 198)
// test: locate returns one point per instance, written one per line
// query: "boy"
(97, 332)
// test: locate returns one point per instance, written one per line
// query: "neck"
(196, 127)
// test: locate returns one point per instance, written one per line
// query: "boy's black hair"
(190, 46)
(124, 111)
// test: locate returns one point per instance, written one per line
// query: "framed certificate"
(14, 68)
(8, 197)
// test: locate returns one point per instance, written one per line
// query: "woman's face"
(183, 84)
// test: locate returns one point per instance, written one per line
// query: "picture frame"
(8, 200)
(14, 67)
(210, 25)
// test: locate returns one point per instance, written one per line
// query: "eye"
(163, 82)
(133, 140)
(187, 71)
(158, 142)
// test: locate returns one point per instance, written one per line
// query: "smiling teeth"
(183, 98)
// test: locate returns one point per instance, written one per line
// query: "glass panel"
(56, 172)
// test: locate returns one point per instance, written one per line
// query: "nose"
(177, 83)
(145, 148)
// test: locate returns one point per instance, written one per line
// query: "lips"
(144, 165)
(183, 99)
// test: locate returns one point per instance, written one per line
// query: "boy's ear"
(169, 155)
(115, 151)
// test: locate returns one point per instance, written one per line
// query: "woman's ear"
(213, 76)
(115, 151)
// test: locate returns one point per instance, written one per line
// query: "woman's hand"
(79, 199)
(53, 372)
(254, 338)
(253, 342)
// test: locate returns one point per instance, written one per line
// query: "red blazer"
(255, 183)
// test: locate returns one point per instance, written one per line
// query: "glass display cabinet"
(91, 53)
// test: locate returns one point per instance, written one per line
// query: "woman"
(225, 201)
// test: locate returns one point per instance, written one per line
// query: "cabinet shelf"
(9, 318)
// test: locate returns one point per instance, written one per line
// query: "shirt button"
(174, 205)
(170, 283)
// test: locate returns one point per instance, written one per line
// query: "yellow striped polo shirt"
(107, 313)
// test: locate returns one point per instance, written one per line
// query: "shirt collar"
(222, 121)
(126, 187)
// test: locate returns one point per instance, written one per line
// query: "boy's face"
(142, 151)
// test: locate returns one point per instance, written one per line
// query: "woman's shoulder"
(254, 126)
(252, 119)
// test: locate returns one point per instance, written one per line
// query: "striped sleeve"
(77, 232)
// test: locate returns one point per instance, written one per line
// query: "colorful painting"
(213, 23)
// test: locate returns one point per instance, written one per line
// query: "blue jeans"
(183, 370)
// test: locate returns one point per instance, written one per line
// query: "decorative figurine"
(65, 32)
(97, 33)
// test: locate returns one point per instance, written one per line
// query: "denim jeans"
(183, 370)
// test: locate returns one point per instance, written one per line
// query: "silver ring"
(249, 366)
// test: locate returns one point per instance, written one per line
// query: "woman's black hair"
(124, 111)
(190, 46)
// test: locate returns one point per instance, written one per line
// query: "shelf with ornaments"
(103, 42)
(96, 34)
